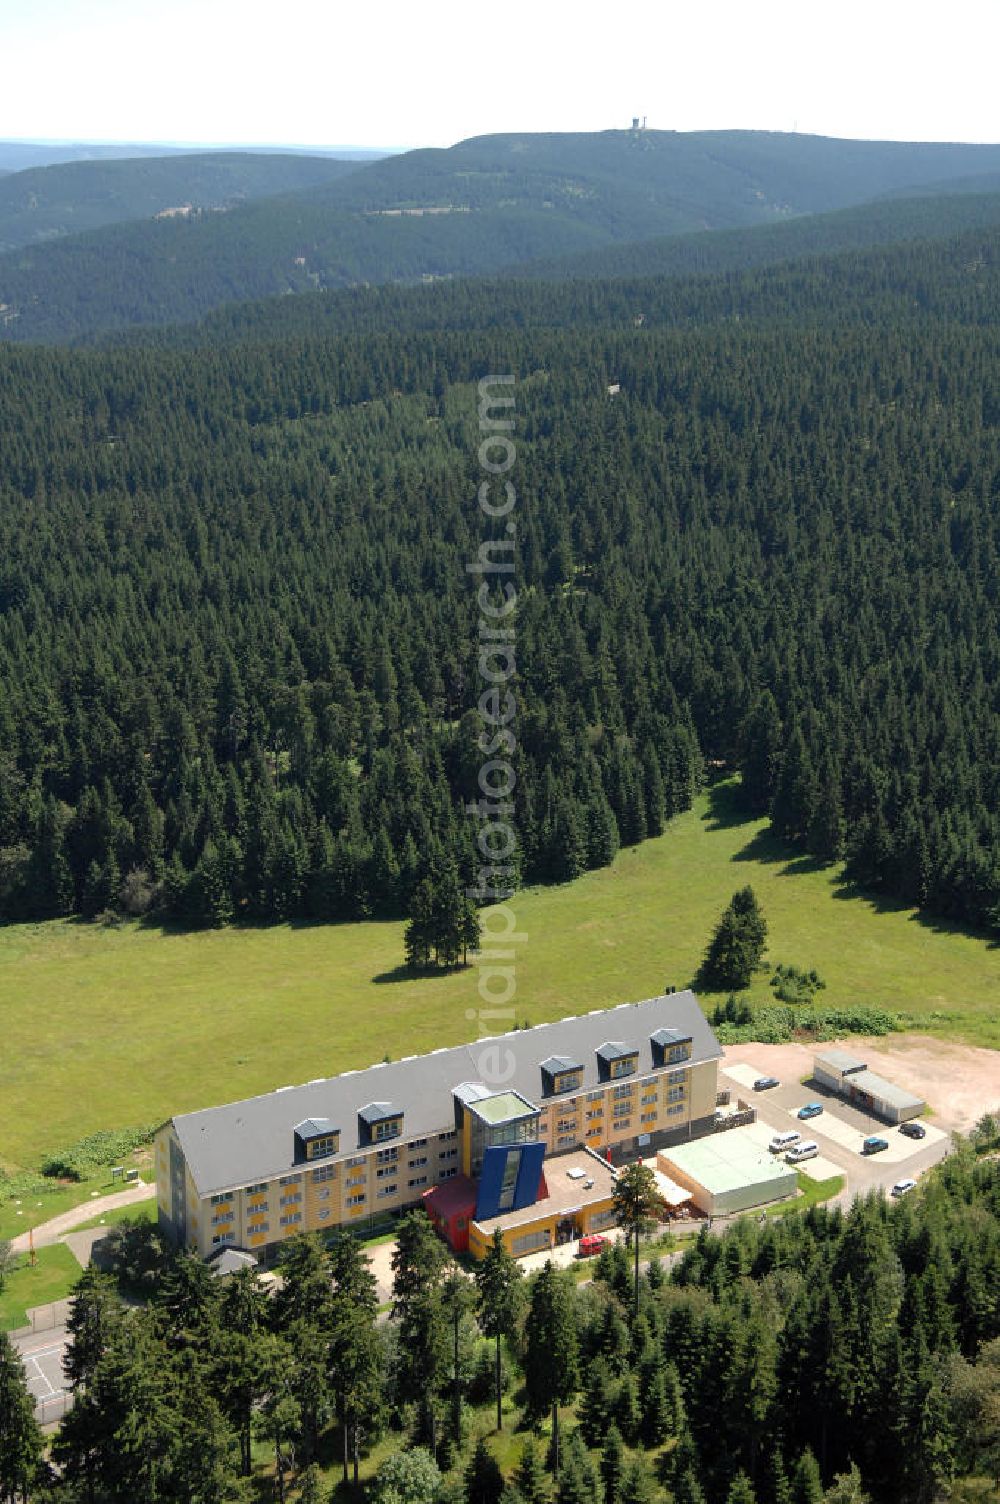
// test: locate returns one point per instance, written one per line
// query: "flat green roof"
(725, 1161)
(505, 1107)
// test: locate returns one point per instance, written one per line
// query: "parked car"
(764, 1083)
(800, 1152)
(902, 1186)
(913, 1130)
(811, 1110)
(874, 1145)
(782, 1141)
(592, 1244)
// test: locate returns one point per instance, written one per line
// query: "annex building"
(851, 1079)
(516, 1130)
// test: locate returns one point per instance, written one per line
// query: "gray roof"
(840, 1060)
(885, 1091)
(315, 1128)
(556, 1065)
(231, 1261)
(616, 1049)
(667, 1037)
(379, 1112)
(253, 1140)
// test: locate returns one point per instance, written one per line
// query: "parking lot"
(839, 1130)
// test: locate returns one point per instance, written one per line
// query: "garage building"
(727, 1173)
(851, 1079)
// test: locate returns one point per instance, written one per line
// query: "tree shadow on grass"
(847, 890)
(405, 973)
(725, 807)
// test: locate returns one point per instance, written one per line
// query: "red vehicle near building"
(591, 1245)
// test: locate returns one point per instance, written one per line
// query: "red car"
(592, 1244)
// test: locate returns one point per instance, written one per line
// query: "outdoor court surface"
(42, 1355)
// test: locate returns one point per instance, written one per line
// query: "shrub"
(94, 1152)
(793, 985)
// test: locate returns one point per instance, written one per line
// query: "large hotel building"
(519, 1131)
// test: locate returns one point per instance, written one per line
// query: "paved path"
(52, 1231)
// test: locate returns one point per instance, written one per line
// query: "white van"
(807, 1150)
(782, 1141)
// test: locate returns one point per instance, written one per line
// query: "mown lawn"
(105, 1028)
(55, 1273)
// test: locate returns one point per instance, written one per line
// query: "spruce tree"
(498, 1279)
(20, 1437)
(612, 1464)
(483, 1478)
(737, 947)
(551, 1362)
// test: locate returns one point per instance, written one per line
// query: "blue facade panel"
(528, 1173)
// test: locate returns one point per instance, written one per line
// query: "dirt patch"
(959, 1082)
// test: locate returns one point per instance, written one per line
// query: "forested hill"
(885, 222)
(238, 641)
(45, 202)
(954, 278)
(471, 210)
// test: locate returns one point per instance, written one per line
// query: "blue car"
(811, 1110)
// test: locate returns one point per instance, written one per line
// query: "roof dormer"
(670, 1046)
(560, 1074)
(315, 1138)
(379, 1121)
(615, 1059)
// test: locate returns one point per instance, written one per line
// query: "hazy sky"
(388, 73)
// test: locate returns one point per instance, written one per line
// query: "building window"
(222, 1237)
(416, 1143)
(570, 1082)
(624, 1067)
(320, 1146)
(292, 1199)
(220, 1200)
(416, 1163)
(383, 1157)
(324, 1172)
(387, 1190)
(418, 1180)
(323, 1195)
(566, 1140)
(677, 1077)
(221, 1217)
(257, 1190)
(254, 1227)
(357, 1199)
(675, 1094)
(390, 1128)
(595, 1096)
(648, 1117)
(290, 1219)
(352, 1164)
(673, 1112)
(595, 1112)
(447, 1174)
(528, 1242)
(623, 1091)
(290, 1180)
(444, 1138)
(619, 1123)
(678, 1053)
(447, 1154)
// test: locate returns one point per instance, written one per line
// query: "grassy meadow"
(110, 1027)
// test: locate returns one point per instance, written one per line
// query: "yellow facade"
(323, 1193)
(597, 1217)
